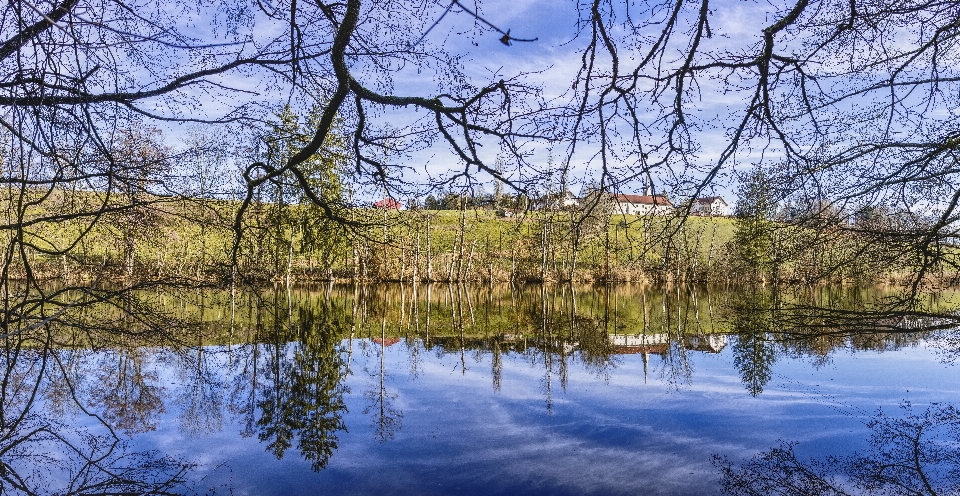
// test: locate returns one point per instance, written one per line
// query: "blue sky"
(551, 63)
(714, 106)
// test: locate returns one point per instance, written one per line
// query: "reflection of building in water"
(386, 343)
(659, 344)
(621, 344)
(713, 343)
(626, 344)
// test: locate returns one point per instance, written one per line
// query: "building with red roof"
(388, 204)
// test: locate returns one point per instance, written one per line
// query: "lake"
(437, 389)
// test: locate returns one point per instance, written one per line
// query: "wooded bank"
(194, 239)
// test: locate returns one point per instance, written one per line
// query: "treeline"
(545, 321)
(486, 201)
(781, 236)
(194, 238)
(276, 231)
(162, 237)
(279, 234)
(802, 323)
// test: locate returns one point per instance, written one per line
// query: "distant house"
(388, 204)
(557, 201)
(643, 205)
(386, 343)
(510, 213)
(569, 200)
(711, 206)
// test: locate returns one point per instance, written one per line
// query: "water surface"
(440, 390)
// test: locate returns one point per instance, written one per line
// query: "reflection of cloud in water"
(605, 435)
(505, 407)
(495, 443)
(501, 440)
(908, 454)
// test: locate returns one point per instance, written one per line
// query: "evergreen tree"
(293, 216)
(755, 211)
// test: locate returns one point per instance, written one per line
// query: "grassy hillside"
(67, 235)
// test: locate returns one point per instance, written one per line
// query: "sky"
(715, 105)
(555, 57)
(550, 62)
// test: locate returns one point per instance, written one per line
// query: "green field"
(66, 237)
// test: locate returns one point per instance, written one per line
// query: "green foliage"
(286, 136)
(755, 349)
(456, 200)
(292, 215)
(305, 401)
(756, 208)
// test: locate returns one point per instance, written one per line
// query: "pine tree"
(755, 211)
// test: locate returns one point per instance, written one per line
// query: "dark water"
(389, 390)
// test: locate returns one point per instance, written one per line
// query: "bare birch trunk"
(415, 277)
(543, 251)
(429, 254)
(466, 272)
(289, 257)
(463, 234)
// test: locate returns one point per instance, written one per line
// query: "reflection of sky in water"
(604, 435)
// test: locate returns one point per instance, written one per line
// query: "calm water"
(446, 390)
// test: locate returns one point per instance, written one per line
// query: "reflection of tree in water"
(814, 324)
(201, 397)
(754, 350)
(916, 454)
(246, 381)
(678, 321)
(58, 387)
(43, 455)
(51, 458)
(126, 391)
(563, 336)
(387, 420)
(596, 353)
(555, 328)
(304, 398)
(287, 382)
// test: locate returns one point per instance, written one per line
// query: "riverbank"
(194, 239)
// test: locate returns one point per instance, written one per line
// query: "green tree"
(295, 222)
(755, 350)
(754, 235)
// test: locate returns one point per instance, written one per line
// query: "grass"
(68, 237)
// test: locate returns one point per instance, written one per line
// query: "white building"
(569, 200)
(711, 206)
(643, 205)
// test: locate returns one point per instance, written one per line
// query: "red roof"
(644, 199)
(387, 203)
(386, 343)
(635, 350)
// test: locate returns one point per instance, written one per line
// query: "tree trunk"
(129, 252)
(429, 254)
